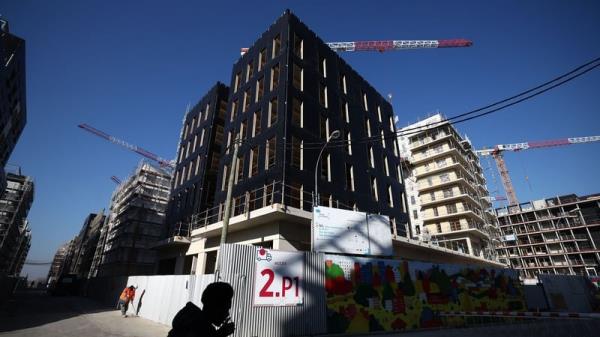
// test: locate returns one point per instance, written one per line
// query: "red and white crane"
(164, 163)
(387, 45)
(497, 153)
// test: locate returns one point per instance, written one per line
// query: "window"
(387, 167)
(270, 157)
(225, 176)
(298, 78)
(441, 163)
(197, 165)
(214, 162)
(391, 124)
(418, 230)
(390, 197)
(297, 153)
(247, 96)
(192, 125)
(195, 143)
(371, 157)
(202, 138)
(349, 139)
(413, 200)
(382, 139)
(451, 209)
(274, 77)
(343, 84)
(185, 130)
(237, 82)
(297, 112)
(262, 59)
(276, 46)
(259, 89)
(432, 196)
(207, 113)
(347, 112)
(326, 166)
(229, 139)
(323, 67)
(349, 177)
(323, 127)
(243, 129)
(379, 113)
(448, 193)
(365, 105)
(455, 225)
(415, 214)
(240, 169)
(435, 211)
(222, 110)
(254, 161)
(273, 111)
(256, 124)
(219, 135)
(233, 110)
(298, 46)
(323, 95)
(444, 177)
(438, 227)
(175, 182)
(374, 188)
(182, 175)
(187, 149)
(368, 126)
(249, 71)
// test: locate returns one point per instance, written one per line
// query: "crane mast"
(497, 153)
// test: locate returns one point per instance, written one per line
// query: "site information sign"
(278, 278)
(349, 232)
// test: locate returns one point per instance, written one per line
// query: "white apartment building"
(448, 201)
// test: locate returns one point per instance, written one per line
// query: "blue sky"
(131, 68)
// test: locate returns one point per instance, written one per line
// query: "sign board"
(380, 235)
(278, 278)
(340, 231)
(510, 237)
(349, 232)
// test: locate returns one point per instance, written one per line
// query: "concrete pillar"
(199, 263)
(470, 246)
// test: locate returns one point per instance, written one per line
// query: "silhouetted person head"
(216, 301)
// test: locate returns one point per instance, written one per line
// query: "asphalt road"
(34, 313)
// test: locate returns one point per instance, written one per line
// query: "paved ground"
(37, 314)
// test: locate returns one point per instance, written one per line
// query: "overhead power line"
(473, 114)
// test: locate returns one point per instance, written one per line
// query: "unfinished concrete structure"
(15, 236)
(559, 235)
(58, 262)
(447, 198)
(84, 245)
(137, 217)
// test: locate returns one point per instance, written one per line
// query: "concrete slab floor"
(37, 314)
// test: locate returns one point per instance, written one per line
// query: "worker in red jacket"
(126, 297)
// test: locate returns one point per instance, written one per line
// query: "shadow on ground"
(29, 309)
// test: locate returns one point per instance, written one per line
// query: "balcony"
(460, 212)
(420, 144)
(447, 197)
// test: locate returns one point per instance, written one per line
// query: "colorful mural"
(368, 295)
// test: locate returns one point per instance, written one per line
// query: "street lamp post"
(334, 135)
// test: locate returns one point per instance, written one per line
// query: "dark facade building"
(195, 179)
(12, 94)
(288, 93)
(14, 229)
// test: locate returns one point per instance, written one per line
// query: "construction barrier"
(522, 314)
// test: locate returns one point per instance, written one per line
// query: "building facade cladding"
(289, 92)
(85, 245)
(12, 93)
(558, 235)
(14, 207)
(137, 223)
(446, 193)
(194, 182)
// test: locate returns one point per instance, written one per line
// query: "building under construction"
(447, 198)
(136, 223)
(15, 235)
(558, 235)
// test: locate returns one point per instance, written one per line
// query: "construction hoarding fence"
(369, 294)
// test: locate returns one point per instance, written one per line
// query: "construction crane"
(387, 45)
(164, 163)
(497, 154)
(116, 180)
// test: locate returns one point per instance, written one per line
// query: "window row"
(262, 60)
(192, 169)
(250, 170)
(258, 93)
(189, 128)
